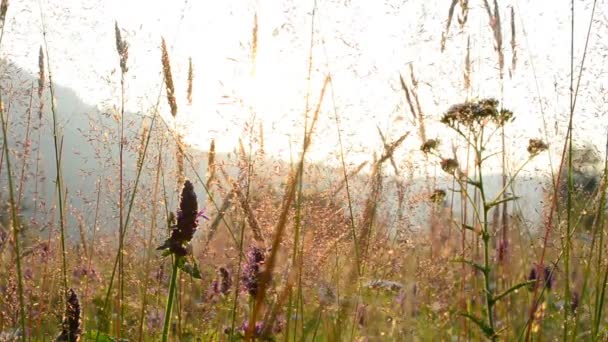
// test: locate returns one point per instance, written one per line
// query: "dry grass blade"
(211, 165)
(464, 13)
(349, 176)
(261, 139)
(3, 10)
(219, 217)
(41, 77)
(496, 27)
(513, 42)
(408, 98)
(254, 42)
(444, 35)
(288, 199)
(142, 145)
(190, 78)
(376, 188)
(168, 78)
(253, 222)
(179, 161)
(422, 126)
(467, 65)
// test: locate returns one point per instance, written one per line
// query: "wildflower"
(3, 238)
(536, 146)
(476, 112)
(574, 301)
(438, 196)
(388, 285)
(326, 294)
(222, 285)
(548, 277)
(449, 165)
(429, 145)
(187, 222)
(71, 328)
(503, 248)
(251, 271)
(154, 321)
(257, 330)
(532, 277)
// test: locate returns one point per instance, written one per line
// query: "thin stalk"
(599, 294)
(570, 182)
(149, 246)
(92, 249)
(486, 242)
(26, 147)
(170, 298)
(56, 141)
(15, 223)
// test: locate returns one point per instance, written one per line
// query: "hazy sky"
(365, 45)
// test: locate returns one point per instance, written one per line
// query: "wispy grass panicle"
(71, 329)
(190, 79)
(168, 78)
(3, 10)
(496, 27)
(211, 167)
(122, 48)
(513, 42)
(254, 44)
(41, 78)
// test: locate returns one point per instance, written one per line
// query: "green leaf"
(497, 202)
(92, 335)
(474, 183)
(190, 268)
(472, 263)
(311, 324)
(485, 328)
(513, 288)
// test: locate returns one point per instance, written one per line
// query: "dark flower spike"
(252, 270)
(70, 327)
(187, 222)
(222, 285)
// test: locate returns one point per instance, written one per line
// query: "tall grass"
(299, 250)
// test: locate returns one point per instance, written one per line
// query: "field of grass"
(164, 242)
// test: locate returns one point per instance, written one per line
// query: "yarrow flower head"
(476, 112)
(449, 165)
(252, 270)
(536, 146)
(429, 145)
(438, 196)
(187, 222)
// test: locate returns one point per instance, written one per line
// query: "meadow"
(113, 227)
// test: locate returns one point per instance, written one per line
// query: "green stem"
(15, 224)
(170, 298)
(486, 246)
